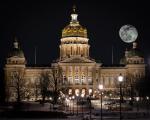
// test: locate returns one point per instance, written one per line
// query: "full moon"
(128, 33)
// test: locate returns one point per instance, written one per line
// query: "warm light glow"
(70, 91)
(90, 91)
(74, 17)
(100, 86)
(50, 98)
(77, 92)
(82, 95)
(83, 92)
(120, 78)
(137, 98)
(147, 97)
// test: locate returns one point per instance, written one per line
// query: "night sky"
(40, 24)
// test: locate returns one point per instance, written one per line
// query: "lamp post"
(73, 104)
(70, 104)
(147, 99)
(101, 88)
(120, 79)
(137, 103)
(89, 100)
(82, 102)
(77, 104)
(66, 105)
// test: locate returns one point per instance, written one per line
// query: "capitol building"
(75, 71)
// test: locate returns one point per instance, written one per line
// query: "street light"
(77, 104)
(82, 95)
(70, 104)
(120, 79)
(137, 100)
(147, 99)
(66, 100)
(89, 100)
(73, 104)
(101, 88)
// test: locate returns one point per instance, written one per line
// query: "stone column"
(80, 68)
(73, 74)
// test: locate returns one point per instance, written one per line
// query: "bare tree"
(52, 83)
(44, 84)
(18, 83)
(57, 84)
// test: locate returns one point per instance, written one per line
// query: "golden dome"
(74, 29)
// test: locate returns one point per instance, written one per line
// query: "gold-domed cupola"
(74, 41)
(74, 29)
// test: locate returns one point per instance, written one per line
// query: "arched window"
(77, 92)
(90, 91)
(70, 92)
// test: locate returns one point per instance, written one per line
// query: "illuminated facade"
(81, 73)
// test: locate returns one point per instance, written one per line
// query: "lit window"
(70, 80)
(90, 91)
(77, 81)
(83, 93)
(77, 92)
(89, 79)
(70, 92)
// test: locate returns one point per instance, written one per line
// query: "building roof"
(74, 29)
(135, 52)
(113, 65)
(16, 50)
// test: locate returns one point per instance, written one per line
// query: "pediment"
(77, 60)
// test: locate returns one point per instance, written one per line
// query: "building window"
(90, 91)
(77, 81)
(83, 79)
(89, 80)
(70, 80)
(112, 81)
(64, 79)
(70, 92)
(83, 93)
(77, 92)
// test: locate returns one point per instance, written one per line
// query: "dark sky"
(40, 24)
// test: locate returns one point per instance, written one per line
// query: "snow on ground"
(72, 119)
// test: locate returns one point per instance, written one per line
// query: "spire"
(74, 9)
(74, 15)
(16, 43)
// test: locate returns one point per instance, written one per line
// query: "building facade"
(81, 73)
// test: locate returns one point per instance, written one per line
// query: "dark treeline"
(143, 85)
(2, 86)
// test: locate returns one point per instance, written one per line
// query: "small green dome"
(16, 52)
(135, 52)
